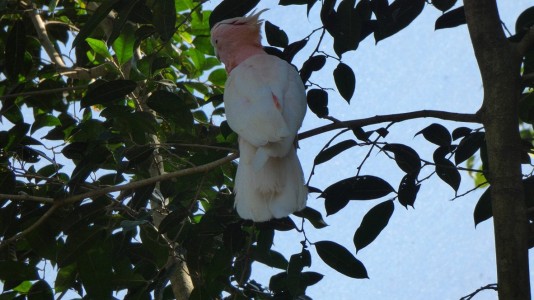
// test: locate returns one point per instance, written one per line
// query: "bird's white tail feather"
(274, 191)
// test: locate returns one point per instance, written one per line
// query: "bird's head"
(230, 35)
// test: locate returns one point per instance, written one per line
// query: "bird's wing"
(265, 100)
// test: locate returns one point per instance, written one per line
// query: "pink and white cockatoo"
(265, 102)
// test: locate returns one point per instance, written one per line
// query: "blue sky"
(434, 250)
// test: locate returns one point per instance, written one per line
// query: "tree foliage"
(117, 171)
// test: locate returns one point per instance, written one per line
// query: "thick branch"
(469, 118)
(499, 65)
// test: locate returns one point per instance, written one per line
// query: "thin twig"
(44, 92)
(492, 286)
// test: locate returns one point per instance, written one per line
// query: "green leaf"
(453, 18)
(65, 278)
(40, 290)
(78, 242)
(218, 77)
(483, 210)
(17, 271)
(99, 47)
(330, 152)
(345, 81)
(107, 92)
(436, 134)
(354, 188)
(310, 214)
(172, 107)
(164, 18)
(44, 120)
(14, 53)
(340, 259)
(318, 102)
(95, 271)
(408, 189)
(101, 12)
(374, 221)
(124, 45)
(406, 158)
(121, 19)
(228, 9)
(468, 146)
(275, 36)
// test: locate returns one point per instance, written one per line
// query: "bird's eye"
(216, 41)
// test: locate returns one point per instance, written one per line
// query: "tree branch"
(44, 92)
(469, 118)
(132, 185)
(42, 35)
(26, 197)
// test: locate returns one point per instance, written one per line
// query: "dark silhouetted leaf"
(101, 12)
(228, 9)
(292, 49)
(340, 259)
(104, 93)
(374, 221)
(408, 189)
(7, 182)
(453, 18)
(444, 5)
(447, 171)
(164, 18)
(314, 63)
(468, 146)
(275, 36)
(460, 132)
(141, 196)
(398, 16)
(525, 20)
(345, 81)
(318, 102)
(437, 134)
(354, 188)
(483, 209)
(270, 258)
(14, 53)
(313, 216)
(138, 154)
(172, 220)
(17, 271)
(407, 159)
(40, 290)
(333, 151)
(346, 28)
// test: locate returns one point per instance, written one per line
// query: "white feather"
(265, 104)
